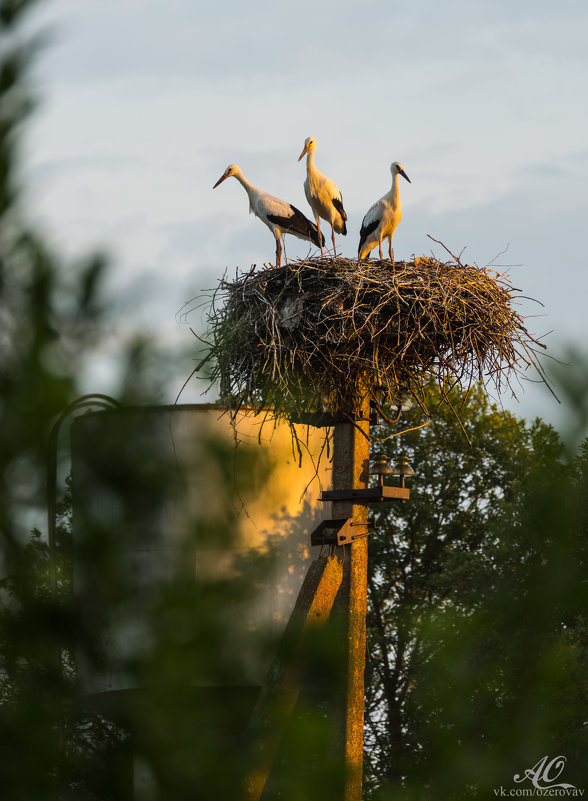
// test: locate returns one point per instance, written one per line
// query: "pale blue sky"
(145, 102)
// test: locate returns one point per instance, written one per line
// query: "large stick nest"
(315, 335)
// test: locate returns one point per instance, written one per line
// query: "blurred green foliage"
(47, 319)
(477, 597)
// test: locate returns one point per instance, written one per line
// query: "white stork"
(324, 197)
(381, 220)
(280, 217)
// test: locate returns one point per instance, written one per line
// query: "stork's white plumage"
(381, 220)
(279, 216)
(323, 195)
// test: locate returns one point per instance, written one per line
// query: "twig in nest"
(306, 337)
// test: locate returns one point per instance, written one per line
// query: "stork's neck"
(394, 191)
(309, 160)
(252, 191)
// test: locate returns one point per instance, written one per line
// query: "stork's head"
(396, 168)
(232, 169)
(309, 146)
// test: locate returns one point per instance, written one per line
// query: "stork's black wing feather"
(338, 204)
(298, 225)
(366, 230)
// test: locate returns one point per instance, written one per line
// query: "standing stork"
(324, 197)
(381, 220)
(280, 217)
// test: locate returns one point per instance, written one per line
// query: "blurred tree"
(47, 320)
(452, 574)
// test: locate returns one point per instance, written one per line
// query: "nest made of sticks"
(312, 335)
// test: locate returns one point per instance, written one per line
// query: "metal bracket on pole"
(340, 531)
(366, 496)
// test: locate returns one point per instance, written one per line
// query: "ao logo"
(544, 773)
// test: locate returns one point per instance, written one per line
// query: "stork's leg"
(333, 238)
(380, 246)
(391, 249)
(278, 251)
(284, 246)
(318, 226)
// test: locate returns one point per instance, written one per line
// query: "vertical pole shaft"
(351, 471)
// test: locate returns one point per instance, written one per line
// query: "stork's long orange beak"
(303, 152)
(220, 180)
